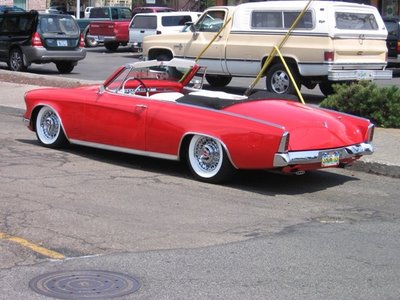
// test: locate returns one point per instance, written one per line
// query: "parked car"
(393, 40)
(159, 109)
(146, 24)
(32, 37)
(103, 13)
(87, 11)
(7, 8)
(114, 33)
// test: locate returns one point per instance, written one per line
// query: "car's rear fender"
(184, 145)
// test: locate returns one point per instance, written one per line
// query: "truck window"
(175, 20)
(144, 22)
(211, 22)
(99, 13)
(126, 13)
(280, 19)
(352, 21)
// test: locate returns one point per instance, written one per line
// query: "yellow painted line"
(33, 247)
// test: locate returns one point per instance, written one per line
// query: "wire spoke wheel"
(208, 160)
(48, 128)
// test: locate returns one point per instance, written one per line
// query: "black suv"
(393, 40)
(33, 37)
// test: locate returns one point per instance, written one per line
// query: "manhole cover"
(84, 284)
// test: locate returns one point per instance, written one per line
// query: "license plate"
(330, 159)
(62, 43)
(364, 74)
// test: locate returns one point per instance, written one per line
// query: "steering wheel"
(141, 84)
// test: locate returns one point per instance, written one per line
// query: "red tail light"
(398, 47)
(81, 41)
(329, 56)
(36, 40)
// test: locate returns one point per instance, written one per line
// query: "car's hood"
(309, 126)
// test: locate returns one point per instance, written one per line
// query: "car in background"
(33, 37)
(87, 11)
(150, 9)
(145, 24)
(393, 40)
(7, 8)
(159, 109)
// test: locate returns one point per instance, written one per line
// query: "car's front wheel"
(65, 67)
(218, 80)
(208, 161)
(48, 128)
(16, 61)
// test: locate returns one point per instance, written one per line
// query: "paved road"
(331, 234)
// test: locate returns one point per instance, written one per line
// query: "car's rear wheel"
(65, 67)
(16, 61)
(111, 46)
(208, 160)
(278, 79)
(48, 128)
(90, 42)
(218, 80)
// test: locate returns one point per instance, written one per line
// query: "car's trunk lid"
(309, 127)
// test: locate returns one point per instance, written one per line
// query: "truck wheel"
(65, 67)
(326, 87)
(90, 42)
(278, 80)
(111, 46)
(218, 80)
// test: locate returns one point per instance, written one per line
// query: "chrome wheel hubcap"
(50, 125)
(207, 154)
(280, 82)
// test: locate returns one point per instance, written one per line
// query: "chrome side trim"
(124, 150)
(315, 156)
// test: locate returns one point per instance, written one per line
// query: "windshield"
(159, 73)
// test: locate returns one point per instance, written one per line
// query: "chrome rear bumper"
(315, 156)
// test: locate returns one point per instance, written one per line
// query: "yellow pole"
(213, 39)
(273, 51)
(290, 75)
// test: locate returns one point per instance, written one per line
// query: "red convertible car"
(159, 109)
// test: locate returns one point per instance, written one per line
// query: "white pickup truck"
(333, 42)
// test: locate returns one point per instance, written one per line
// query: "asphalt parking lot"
(331, 234)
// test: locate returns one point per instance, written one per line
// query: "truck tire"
(65, 67)
(326, 87)
(278, 80)
(90, 42)
(218, 80)
(163, 57)
(111, 46)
